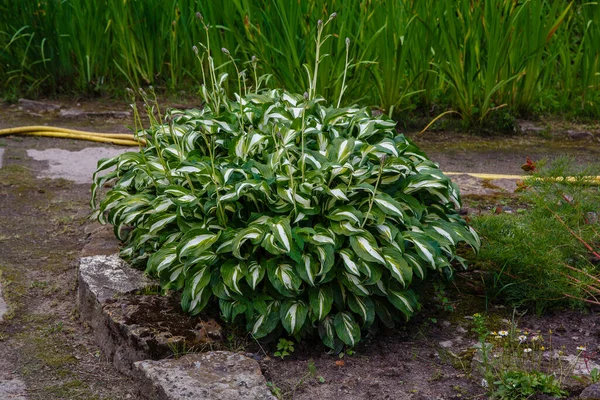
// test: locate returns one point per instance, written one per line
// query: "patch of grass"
(545, 256)
(74, 389)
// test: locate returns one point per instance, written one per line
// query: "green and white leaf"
(346, 328)
(255, 274)
(365, 246)
(364, 307)
(293, 314)
(321, 301)
(196, 241)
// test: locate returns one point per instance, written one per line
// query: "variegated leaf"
(423, 246)
(160, 221)
(194, 303)
(195, 241)
(255, 274)
(346, 328)
(354, 284)
(346, 213)
(416, 264)
(327, 332)
(321, 300)
(350, 260)
(364, 307)
(161, 260)
(283, 277)
(293, 314)
(280, 227)
(403, 300)
(389, 206)
(232, 272)
(266, 322)
(366, 248)
(398, 266)
(254, 234)
(308, 268)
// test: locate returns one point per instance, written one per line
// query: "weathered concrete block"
(102, 279)
(130, 327)
(218, 375)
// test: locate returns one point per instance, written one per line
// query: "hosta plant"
(289, 212)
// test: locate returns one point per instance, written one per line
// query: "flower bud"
(199, 16)
(195, 49)
(332, 16)
(305, 95)
(347, 41)
(319, 23)
(224, 50)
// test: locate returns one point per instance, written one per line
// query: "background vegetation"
(418, 56)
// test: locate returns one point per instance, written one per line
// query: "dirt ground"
(43, 228)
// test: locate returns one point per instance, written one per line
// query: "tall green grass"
(470, 56)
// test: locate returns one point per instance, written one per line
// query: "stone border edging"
(218, 375)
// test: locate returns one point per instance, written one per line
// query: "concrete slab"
(1, 155)
(76, 166)
(215, 375)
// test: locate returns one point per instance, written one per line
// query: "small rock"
(507, 209)
(208, 331)
(446, 344)
(460, 329)
(218, 375)
(37, 106)
(591, 218)
(525, 127)
(592, 392)
(579, 135)
(72, 113)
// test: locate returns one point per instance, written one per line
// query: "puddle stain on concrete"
(76, 166)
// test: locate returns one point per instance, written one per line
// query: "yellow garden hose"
(128, 139)
(590, 179)
(124, 139)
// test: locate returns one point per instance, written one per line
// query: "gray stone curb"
(104, 283)
(213, 375)
(103, 278)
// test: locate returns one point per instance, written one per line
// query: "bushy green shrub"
(291, 212)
